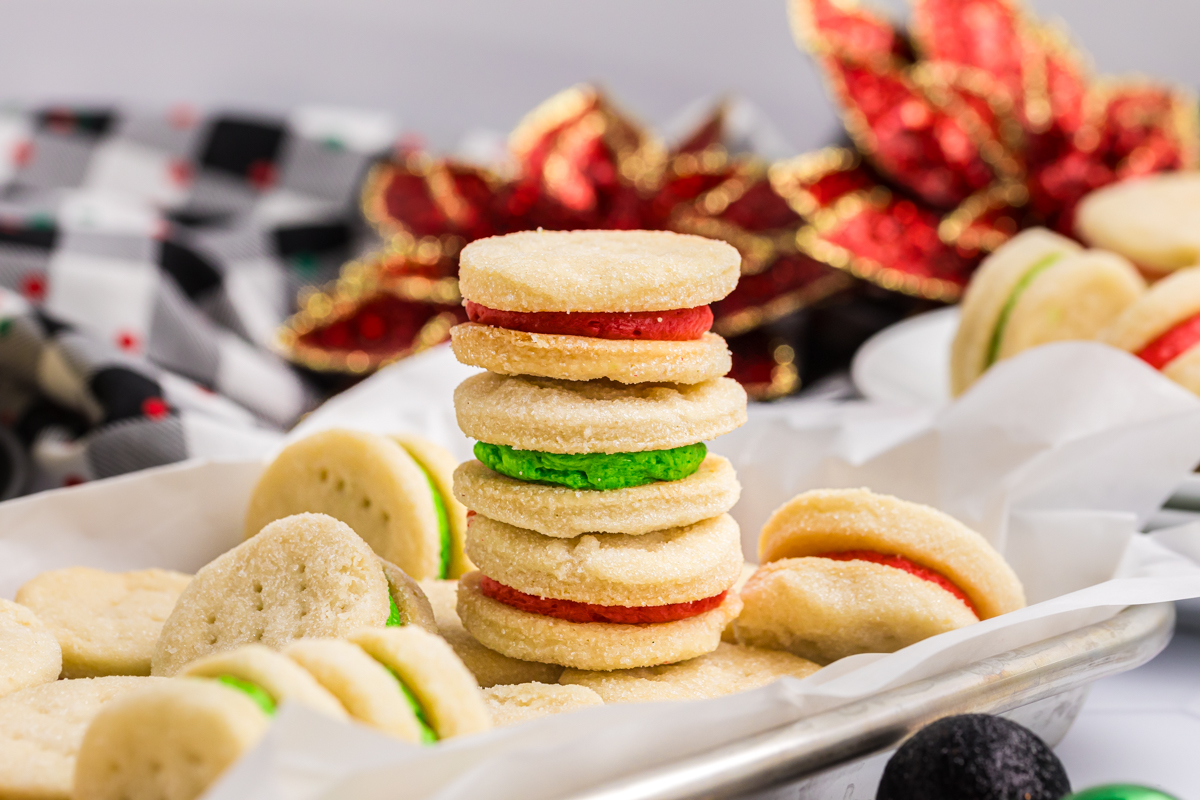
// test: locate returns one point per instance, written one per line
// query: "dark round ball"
(974, 757)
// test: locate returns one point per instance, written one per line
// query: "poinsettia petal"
(792, 282)
(843, 27)
(905, 135)
(892, 242)
(984, 34)
(816, 180)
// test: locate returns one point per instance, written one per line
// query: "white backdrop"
(446, 66)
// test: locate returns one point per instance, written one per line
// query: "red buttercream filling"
(902, 563)
(678, 325)
(572, 611)
(1173, 343)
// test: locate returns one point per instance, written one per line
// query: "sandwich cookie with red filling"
(1163, 328)
(601, 601)
(1038, 288)
(629, 306)
(847, 571)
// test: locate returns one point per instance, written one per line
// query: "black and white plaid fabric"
(172, 245)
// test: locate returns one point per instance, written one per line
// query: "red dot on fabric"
(155, 408)
(180, 172)
(182, 117)
(22, 152)
(262, 174)
(130, 342)
(73, 480)
(33, 286)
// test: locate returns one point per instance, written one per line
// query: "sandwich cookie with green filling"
(602, 601)
(303, 576)
(174, 738)
(41, 728)
(567, 457)
(394, 491)
(626, 306)
(1038, 288)
(441, 693)
(1163, 328)
(170, 740)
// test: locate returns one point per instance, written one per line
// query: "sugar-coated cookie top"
(597, 271)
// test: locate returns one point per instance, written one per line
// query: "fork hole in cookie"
(386, 517)
(324, 475)
(340, 485)
(366, 502)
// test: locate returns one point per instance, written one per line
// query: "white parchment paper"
(1056, 456)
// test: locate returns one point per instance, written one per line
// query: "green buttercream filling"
(394, 619)
(443, 518)
(1002, 323)
(428, 735)
(592, 470)
(252, 690)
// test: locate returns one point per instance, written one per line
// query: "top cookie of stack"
(598, 509)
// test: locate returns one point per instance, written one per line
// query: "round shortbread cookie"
(1153, 221)
(169, 741)
(410, 599)
(304, 576)
(728, 669)
(595, 416)
(1077, 295)
(280, 677)
(360, 683)
(445, 689)
(597, 271)
(367, 481)
(106, 623)
(584, 358)
(590, 645)
(489, 667)
(677, 565)
(439, 465)
(823, 610)
(835, 520)
(558, 511)
(41, 728)
(29, 653)
(512, 705)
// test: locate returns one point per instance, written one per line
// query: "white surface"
(1142, 727)
(908, 364)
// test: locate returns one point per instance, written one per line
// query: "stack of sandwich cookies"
(600, 530)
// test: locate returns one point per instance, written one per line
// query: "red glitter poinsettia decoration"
(979, 123)
(576, 163)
